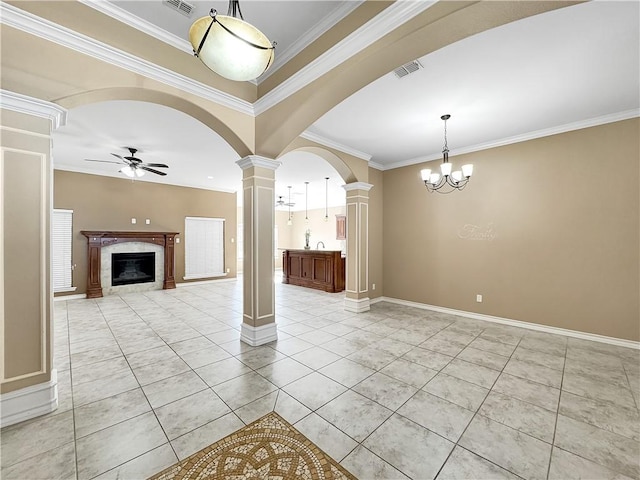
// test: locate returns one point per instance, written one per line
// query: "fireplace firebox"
(130, 268)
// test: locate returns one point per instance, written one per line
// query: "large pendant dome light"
(231, 47)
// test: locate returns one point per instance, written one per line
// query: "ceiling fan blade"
(157, 165)
(101, 161)
(118, 156)
(157, 172)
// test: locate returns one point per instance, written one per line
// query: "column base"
(29, 402)
(255, 336)
(360, 305)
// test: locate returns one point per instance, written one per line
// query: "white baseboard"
(205, 282)
(357, 306)
(517, 323)
(256, 336)
(64, 298)
(29, 402)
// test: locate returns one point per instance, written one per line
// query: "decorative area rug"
(269, 448)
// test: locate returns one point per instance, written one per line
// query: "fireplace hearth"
(130, 268)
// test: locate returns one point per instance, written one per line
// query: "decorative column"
(258, 182)
(357, 274)
(28, 381)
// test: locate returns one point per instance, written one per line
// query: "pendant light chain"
(326, 199)
(306, 202)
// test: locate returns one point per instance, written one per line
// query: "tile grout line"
(555, 426)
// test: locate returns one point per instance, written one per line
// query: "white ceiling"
(551, 72)
(561, 67)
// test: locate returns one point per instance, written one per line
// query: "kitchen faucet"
(318, 244)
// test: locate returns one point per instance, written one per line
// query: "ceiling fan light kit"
(134, 167)
(456, 180)
(231, 47)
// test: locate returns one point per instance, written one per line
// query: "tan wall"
(376, 206)
(105, 203)
(25, 300)
(565, 214)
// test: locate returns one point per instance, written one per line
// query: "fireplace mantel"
(99, 239)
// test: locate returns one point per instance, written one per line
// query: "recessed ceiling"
(292, 24)
(557, 68)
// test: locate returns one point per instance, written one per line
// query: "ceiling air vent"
(407, 68)
(180, 6)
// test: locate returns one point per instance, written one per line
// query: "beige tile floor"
(149, 378)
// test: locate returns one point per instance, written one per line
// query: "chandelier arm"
(261, 47)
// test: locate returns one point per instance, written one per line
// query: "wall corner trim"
(33, 106)
(256, 336)
(29, 402)
(594, 337)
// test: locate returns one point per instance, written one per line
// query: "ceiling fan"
(282, 203)
(134, 167)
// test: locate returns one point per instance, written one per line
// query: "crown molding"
(394, 16)
(386, 21)
(34, 25)
(335, 145)
(376, 165)
(138, 23)
(546, 132)
(311, 35)
(147, 179)
(33, 106)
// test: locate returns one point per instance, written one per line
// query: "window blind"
(61, 237)
(204, 247)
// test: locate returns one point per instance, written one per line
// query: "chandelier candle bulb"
(467, 170)
(425, 173)
(446, 168)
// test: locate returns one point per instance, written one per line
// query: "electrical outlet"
(133, 221)
(177, 239)
(148, 221)
(479, 298)
(228, 270)
(373, 286)
(232, 240)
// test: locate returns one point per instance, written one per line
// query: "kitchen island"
(319, 269)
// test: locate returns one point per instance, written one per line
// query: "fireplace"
(129, 268)
(103, 244)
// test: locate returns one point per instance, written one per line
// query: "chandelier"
(453, 180)
(231, 47)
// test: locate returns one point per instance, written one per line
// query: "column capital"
(34, 106)
(257, 161)
(358, 186)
